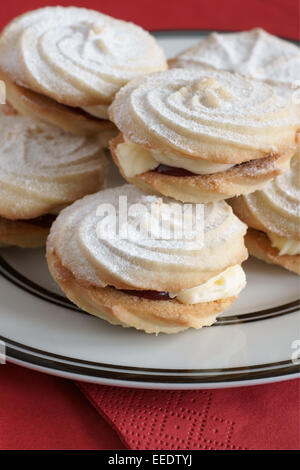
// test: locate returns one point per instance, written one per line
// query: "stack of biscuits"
(62, 68)
(218, 129)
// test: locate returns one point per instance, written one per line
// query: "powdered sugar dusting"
(194, 111)
(277, 205)
(138, 261)
(253, 53)
(43, 163)
(75, 54)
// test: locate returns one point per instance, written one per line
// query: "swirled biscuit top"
(42, 167)
(276, 208)
(144, 256)
(216, 116)
(76, 56)
(253, 53)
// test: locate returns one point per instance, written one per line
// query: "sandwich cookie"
(273, 217)
(200, 137)
(41, 108)
(64, 65)
(152, 279)
(255, 53)
(42, 169)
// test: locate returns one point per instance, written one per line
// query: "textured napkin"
(259, 417)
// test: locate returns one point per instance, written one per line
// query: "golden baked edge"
(41, 108)
(119, 308)
(260, 246)
(206, 188)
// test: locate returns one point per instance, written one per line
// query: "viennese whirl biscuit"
(156, 283)
(64, 65)
(273, 215)
(42, 169)
(202, 136)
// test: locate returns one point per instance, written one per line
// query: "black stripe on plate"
(13, 345)
(52, 365)
(19, 280)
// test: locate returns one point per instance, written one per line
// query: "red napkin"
(259, 417)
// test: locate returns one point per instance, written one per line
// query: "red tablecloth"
(277, 16)
(39, 411)
(44, 412)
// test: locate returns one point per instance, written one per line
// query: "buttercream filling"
(284, 245)
(228, 283)
(135, 159)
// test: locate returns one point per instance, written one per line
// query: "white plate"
(251, 343)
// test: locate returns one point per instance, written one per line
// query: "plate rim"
(62, 363)
(131, 376)
(195, 31)
(154, 385)
(18, 279)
